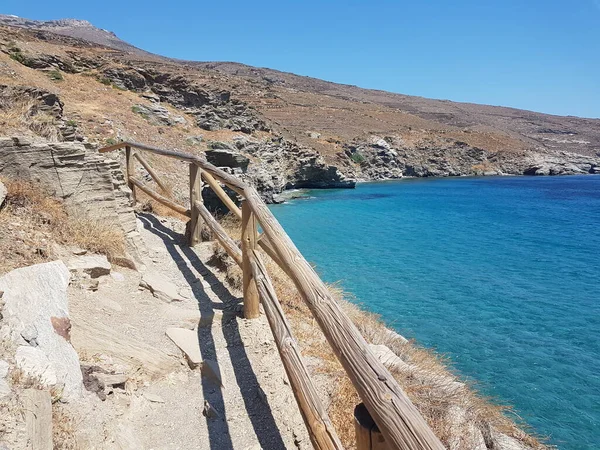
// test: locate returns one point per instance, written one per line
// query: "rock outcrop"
(376, 158)
(37, 313)
(77, 174)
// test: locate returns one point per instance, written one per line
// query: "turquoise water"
(501, 274)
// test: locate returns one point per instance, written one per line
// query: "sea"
(500, 274)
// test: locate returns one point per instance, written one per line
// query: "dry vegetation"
(32, 223)
(452, 407)
(24, 115)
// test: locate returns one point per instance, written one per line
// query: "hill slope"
(278, 129)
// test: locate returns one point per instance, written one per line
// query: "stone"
(210, 370)
(161, 287)
(36, 298)
(5, 390)
(117, 276)
(313, 135)
(79, 251)
(29, 333)
(93, 265)
(3, 192)
(209, 412)
(35, 364)
(187, 341)
(153, 398)
(388, 358)
(4, 366)
(86, 180)
(226, 157)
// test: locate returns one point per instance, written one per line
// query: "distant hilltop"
(77, 28)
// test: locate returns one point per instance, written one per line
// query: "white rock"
(161, 287)
(35, 363)
(93, 265)
(187, 341)
(4, 366)
(117, 276)
(153, 398)
(36, 298)
(388, 358)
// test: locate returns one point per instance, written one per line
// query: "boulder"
(36, 299)
(222, 157)
(93, 265)
(161, 287)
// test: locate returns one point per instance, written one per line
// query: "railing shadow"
(258, 410)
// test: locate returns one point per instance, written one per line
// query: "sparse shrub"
(71, 123)
(111, 141)
(358, 158)
(55, 75)
(105, 81)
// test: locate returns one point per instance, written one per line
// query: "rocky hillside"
(67, 80)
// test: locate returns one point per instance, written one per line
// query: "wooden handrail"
(159, 198)
(397, 418)
(321, 431)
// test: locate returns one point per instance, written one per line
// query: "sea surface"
(500, 274)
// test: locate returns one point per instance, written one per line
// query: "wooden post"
(130, 164)
(195, 226)
(249, 238)
(368, 436)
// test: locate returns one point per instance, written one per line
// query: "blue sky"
(531, 54)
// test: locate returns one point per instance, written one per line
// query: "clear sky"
(542, 55)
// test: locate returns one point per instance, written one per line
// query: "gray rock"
(117, 276)
(161, 287)
(210, 370)
(187, 341)
(29, 333)
(84, 179)
(195, 140)
(93, 265)
(313, 135)
(36, 296)
(227, 158)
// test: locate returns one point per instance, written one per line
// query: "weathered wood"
(397, 418)
(226, 199)
(319, 426)
(249, 237)
(368, 436)
(130, 170)
(228, 244)
(38, 419)
(159, 151)
(195, 226)
(152, 173)
(226, 178)
(159, 198)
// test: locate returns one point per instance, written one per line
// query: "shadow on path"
(257, 408)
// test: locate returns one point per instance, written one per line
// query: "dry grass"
(454, 410)
(24, 115)
(31, 223)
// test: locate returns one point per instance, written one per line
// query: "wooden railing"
(400, 424)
